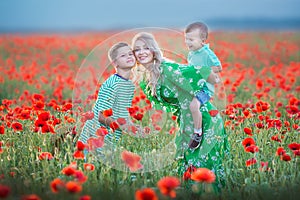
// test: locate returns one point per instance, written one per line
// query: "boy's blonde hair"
(202, 27)
(113, 51)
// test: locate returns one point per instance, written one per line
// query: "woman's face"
(142, 52)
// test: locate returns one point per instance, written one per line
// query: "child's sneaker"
(195, 141)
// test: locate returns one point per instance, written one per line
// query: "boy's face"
(125, 58)
(193, 40)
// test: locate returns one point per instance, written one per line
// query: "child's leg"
(196, 114)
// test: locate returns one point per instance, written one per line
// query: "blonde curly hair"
(154, 71)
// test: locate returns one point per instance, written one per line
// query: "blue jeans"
(202, 97)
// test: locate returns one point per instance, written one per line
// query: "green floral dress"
(175, 90)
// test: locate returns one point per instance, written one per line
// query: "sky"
(67, 15)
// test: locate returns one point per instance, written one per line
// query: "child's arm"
(216, 69)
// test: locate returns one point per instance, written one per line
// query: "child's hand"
(216, 69)
(213, 78)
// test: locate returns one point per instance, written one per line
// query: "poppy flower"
(17, 126)
(4, 191)
(85, 197)
(248, 131)
(275, 138)
(37, 97)
(39, 105)
(44, 116)
(167, 186)
(31, 197)
(68, 171)
(2, 130)
(121, 121)
(146, 194)
(188, 172)
(203, 175)
(213, 113)
(280, 151)
(88, 167)
(114, 126)
(264, 166)
(108, 112)
(79, 176)
(294, 146)
(248, 142)
(138, 116)
(94, 143)
(80, 146)
(56, 185)
(252, 149)
(78, 155)
(250, 162)
(285, 157)
(45, 156)
(131, 111)
(131, 160)
(73, 187)
(102, 131)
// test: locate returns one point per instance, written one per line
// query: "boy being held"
(116, 93)
(200, 55)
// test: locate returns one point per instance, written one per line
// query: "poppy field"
(40, 121)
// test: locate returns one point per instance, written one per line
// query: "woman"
(172, 86)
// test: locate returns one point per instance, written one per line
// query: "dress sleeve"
(188, 78)
(158, 102)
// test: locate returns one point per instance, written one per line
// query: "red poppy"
(102, 131)
(260, 125)
(78, 155)
(4, 191)
(85, 197)
(131, 111)
(88, 167)
(45, 156)
(48, 128)
(108, 112)
(285, 157)
(37, 97)
(114, 126)
(79, 176)
(94, 143)
(73, 187)
(250, 162)
(294, 146)
(68, 171)
(248, 131)
(280, 151)
(145, 194)
(167, 186)
(39, 123)
(80, 146)
(188, 172)
(31, 197)
(248, 142)
(264, 166)
(25, 114)
(138, 116)
(44, 116)
(203, 175)
(56, 185)
(17, 126)
(121, 121)
(131, 160)
(252, 149)
(174, 117)
(2, 130)
(39, 105)
(213, 113)
(275, 138)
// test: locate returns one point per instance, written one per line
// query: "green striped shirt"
(116, 93)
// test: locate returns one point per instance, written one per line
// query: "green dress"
(175, 90)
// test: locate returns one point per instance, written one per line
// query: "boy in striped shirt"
(116, 93)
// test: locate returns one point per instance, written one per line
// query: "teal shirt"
(116, 93)
(204, 57)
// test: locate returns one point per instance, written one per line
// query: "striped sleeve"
(106, 97)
